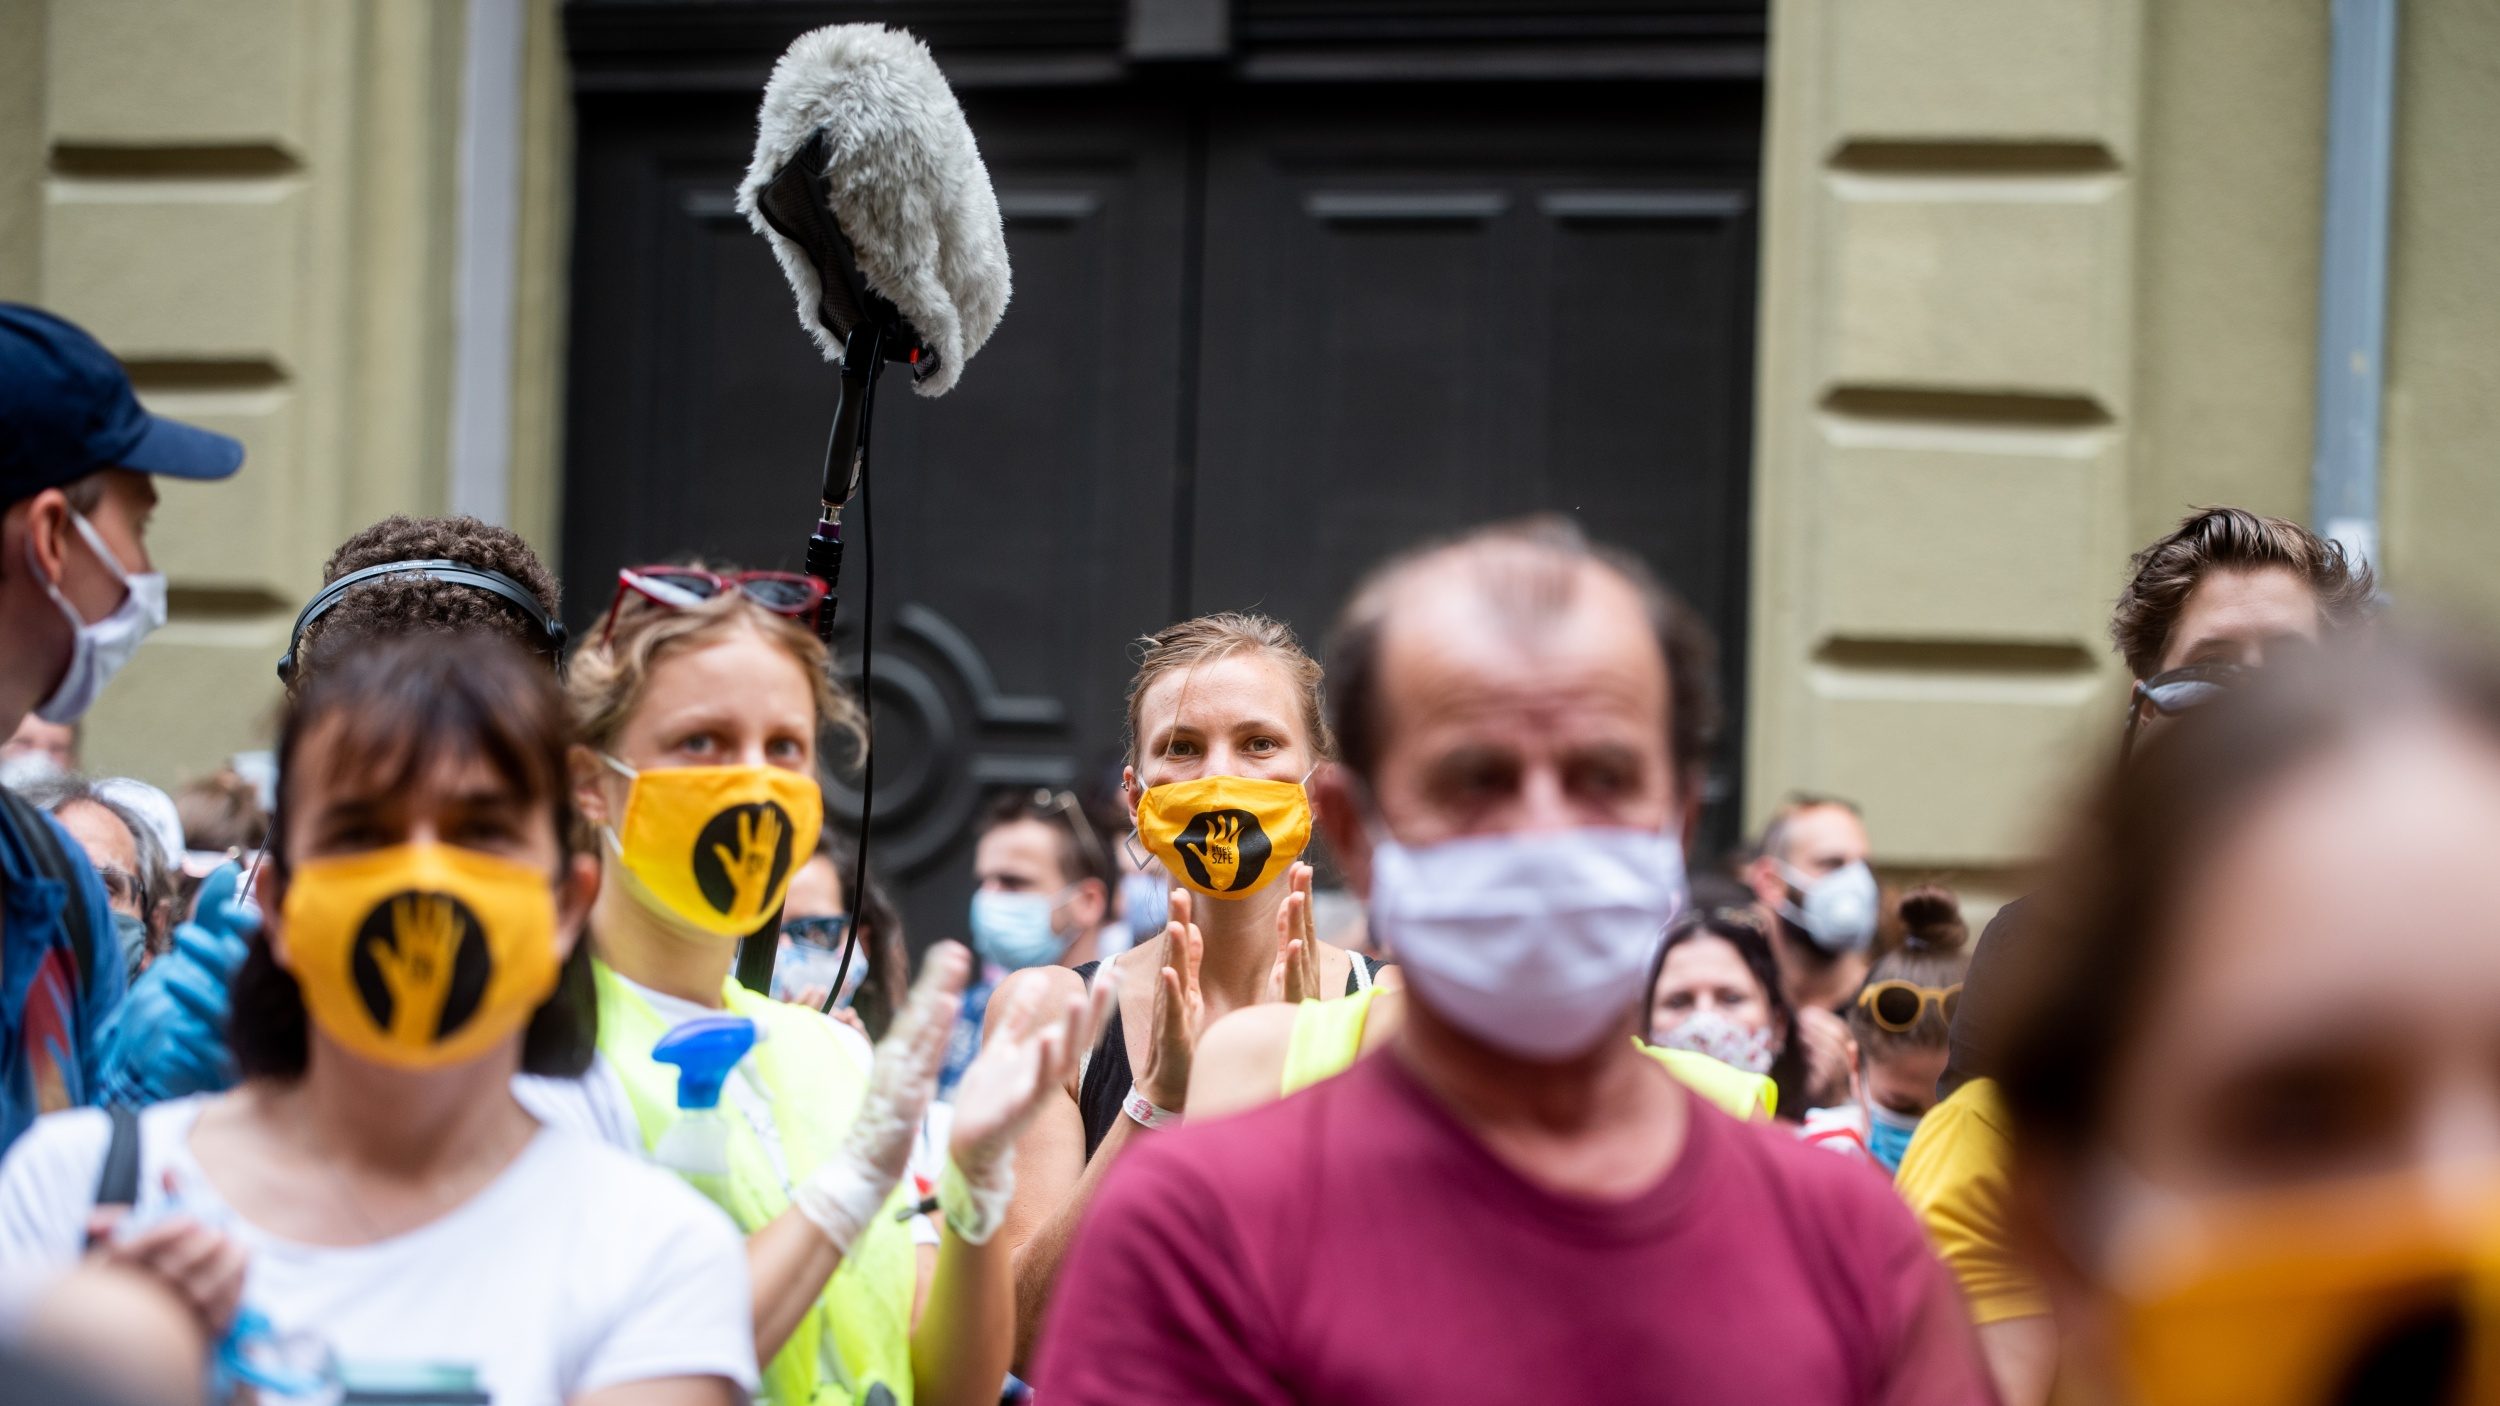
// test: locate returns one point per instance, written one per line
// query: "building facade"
(2022, 281)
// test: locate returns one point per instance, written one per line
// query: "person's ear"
(1092, 903)
(1763, 877)
(1691, 820)
(576, 890)
(1340, 817)
(47, 533)
(590, 784)
(1130, 791)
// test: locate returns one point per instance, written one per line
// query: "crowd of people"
(411, 1062)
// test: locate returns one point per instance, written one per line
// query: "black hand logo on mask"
(420, 966)
(741, 858)
(1225, 850)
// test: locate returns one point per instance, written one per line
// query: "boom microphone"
(870, 189)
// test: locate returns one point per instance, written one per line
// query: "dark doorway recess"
(1296, 284)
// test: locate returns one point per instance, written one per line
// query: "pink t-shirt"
(1355, 1244)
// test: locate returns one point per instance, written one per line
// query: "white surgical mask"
(802, 969)
(99, 650)
(1533, 943)
(28, 769)
(1728, 1041)
(1837, 910)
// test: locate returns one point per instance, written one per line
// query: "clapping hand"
(1180, 1010)
(1296, 977)
(845, 1193)
(1034, 1050)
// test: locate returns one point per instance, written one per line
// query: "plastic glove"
(169, 1038)
(844, 1194)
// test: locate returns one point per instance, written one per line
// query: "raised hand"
(845, 1193)
(417, 966)
(750, 870)
(1221, 854)
(1296, 977)
(170, 1037)
(904, 1076)
(1180, 1009)
(1026, 1059)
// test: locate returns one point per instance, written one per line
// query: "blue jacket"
(54, 1000)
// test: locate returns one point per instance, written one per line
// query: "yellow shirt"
(1955, 1178)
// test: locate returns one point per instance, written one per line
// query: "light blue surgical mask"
(133, 935)
(1888, 1134)
(1014, 929)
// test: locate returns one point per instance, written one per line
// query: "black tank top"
(1105, 1085)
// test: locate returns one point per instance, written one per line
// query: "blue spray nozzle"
(704, 1051)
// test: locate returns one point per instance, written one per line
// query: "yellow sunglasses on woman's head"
(1899, 1005)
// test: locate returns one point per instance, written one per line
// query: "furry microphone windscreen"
(904, 180)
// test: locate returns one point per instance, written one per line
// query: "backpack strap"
(52, 859)
(118, 1183)
(1364, 973)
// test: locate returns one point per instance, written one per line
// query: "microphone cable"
(867, 712)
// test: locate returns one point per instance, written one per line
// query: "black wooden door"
(1263, 333)
(1425, 311)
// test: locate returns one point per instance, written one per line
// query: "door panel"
(1425, 316)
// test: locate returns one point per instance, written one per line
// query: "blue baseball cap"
(67, 410)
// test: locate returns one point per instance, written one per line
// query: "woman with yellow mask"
(2253, 1072)
(698, 706)
(371, 1212)
(1224, 726)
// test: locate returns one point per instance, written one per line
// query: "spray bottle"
(704, 1050)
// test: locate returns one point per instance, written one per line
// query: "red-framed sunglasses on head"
(685, 587)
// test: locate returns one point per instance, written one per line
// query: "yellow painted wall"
(2038, 277)
(2441, 467)
(1947, 389)
(254, 204)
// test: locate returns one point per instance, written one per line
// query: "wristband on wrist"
(1147, 1113)
(840, 1200)
(975, 1212)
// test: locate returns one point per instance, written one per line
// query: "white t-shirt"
(598, 1106)
(574, 1269)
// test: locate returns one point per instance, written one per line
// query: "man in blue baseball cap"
(77, 595)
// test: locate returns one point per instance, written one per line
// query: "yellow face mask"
(424, 955)
(715, 846)
(1225, 836)
(2373, 1291)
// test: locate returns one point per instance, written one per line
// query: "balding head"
(1514, 679)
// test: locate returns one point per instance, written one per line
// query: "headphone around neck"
(457, 573)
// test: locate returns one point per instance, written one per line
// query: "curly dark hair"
(401, 605)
